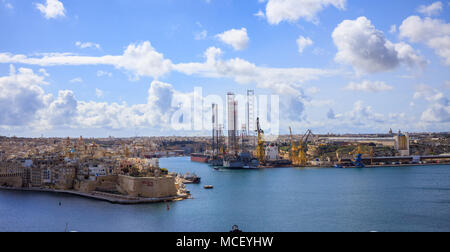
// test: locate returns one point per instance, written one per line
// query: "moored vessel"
(199, 158)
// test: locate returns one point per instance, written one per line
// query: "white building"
(272, 153)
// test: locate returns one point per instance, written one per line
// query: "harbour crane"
(302, 149)
(360, 150)
(260, 152)
(293, 154)
(297, 154)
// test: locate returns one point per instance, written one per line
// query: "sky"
(133, 68)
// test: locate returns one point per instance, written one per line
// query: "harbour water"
(378, 199)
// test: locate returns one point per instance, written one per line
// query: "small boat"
(192, 179)
(216, 168)
(208, 187)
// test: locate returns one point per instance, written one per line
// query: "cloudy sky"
(122, 68)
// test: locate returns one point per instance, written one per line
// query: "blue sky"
(120, 67)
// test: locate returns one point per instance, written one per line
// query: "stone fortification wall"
(152, 187)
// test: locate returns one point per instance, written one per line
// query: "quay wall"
(11, 181)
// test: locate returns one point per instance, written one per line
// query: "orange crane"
(297, 154)
(360, 149)
(260, 151)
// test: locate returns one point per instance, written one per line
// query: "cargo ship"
(199, 158)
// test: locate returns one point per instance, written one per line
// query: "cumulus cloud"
(303, 42)
(51, 9)
(139, 59)
(280, 80)
(21, 96)
(60, 111)
(439, 105)
(434, 33)
(360, 113)
(278, 11)
(430, 10)
(364, 47)
(23, 103)
(238, 39)
(157, 112)
(142, 60)
(368, 86)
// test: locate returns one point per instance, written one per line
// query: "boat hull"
(199, 158)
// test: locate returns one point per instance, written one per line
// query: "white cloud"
(260, 14)
(313, 90)
(238, 39)
(303, 42)
(293, 10)
(439, 105)
(58, 112)
(434, 33)
(360, 113)
(281, 80)
(201, 35)
(364, 47)
(84, 45)
(23, 103)
(139, 59)
(431, 10)
(368, 86)
(21, 96)
(157, 112)
(44, 72)
(98, 93)
(101, 73)
(52, 9)
(393, 29)
(76, 80)
(143, 60)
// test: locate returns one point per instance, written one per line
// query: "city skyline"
(115, 68)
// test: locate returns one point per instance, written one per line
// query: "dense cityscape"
(127, 170)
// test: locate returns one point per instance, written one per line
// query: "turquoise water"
(380, 199)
